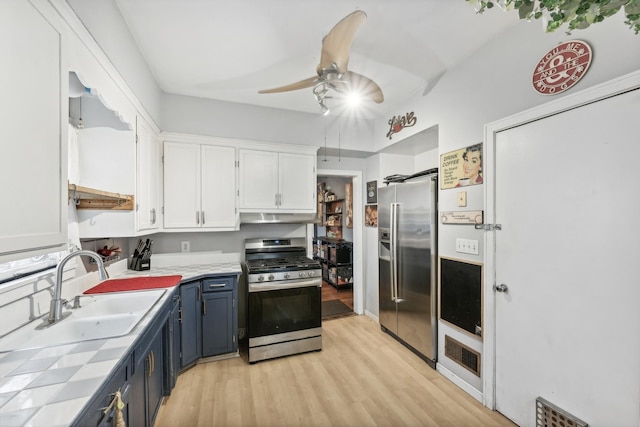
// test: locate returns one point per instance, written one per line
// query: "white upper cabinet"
(33, 107)
(199, 187)
(149, 179)
(277, 181)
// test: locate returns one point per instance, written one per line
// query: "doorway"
(564, 320)
(351, 296)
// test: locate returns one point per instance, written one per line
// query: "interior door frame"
(587, 96)
(358, 237)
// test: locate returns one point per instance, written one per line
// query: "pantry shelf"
(91, 198)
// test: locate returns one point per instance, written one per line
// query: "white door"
(258, 180)
(568, 327)
(33, 107)
(148, 182)
(181, 185)
(297, 182)
(218, 186)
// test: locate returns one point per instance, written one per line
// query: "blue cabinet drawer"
(222, 283)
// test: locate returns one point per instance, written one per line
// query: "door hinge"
(488, 227)
(234, 303)
(237, 163)
(136, 139)
(234, 338)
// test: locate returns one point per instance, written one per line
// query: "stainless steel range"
(284, 310)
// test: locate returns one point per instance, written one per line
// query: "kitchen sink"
(99, 316)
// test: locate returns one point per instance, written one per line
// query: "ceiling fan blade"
(302, 84)
(362, 85)
(337, 44)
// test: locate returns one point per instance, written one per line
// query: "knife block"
(138, 264)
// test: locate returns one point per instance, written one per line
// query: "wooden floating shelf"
(90, 198)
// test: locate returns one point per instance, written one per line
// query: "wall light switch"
(467, 246)
(462, 199)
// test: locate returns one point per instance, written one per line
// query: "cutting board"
(134, 284)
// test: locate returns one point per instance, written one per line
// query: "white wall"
(104, 21)
(187, 114)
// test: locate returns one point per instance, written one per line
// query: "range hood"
(277, 218)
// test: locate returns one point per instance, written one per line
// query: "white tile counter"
(50, 386)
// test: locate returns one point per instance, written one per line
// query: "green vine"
(578, 14)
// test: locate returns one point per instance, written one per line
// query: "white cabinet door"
(181, 185)
(149, 178)
(277, 182)
(258, 180)
(199, 187)
(297, 182)
(33, 164)
(218, 183)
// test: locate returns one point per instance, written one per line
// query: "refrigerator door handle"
(393, 247)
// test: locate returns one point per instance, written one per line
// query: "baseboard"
(475, 393)
(371, 315)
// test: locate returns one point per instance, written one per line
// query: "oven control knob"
(301, 274)
(310, 274)
(260, 278)
(271, 277)
(287, 275)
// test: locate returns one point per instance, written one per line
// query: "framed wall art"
(371, 215)
(372, 192)
(461, 168)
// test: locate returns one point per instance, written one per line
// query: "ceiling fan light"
(323, 108)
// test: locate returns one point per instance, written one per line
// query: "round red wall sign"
(561, 67)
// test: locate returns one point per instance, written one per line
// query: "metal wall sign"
(462, 217)
(561, 67)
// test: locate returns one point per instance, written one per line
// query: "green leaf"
(525, 10)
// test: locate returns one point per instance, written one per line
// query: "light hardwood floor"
(362, 377)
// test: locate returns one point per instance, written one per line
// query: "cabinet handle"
(276, 199)
(202, 213)
(198, 217)
(153, 216)
(150, 364)
(217, 285)
(204, 308)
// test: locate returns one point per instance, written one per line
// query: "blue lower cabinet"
(147, 382)
(217, 324)
(191, 324)
(219, 315)
(95, 414)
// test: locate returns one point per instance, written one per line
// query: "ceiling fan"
(332, 70)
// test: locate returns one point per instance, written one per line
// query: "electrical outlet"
(467, 246)
(186, 246)
(462, 199)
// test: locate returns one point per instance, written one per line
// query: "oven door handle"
(275, 286)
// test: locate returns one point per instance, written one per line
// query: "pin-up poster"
(462, 167)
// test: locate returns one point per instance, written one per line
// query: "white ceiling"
(229, 49)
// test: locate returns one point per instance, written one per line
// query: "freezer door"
(387, 307)
(416, 242)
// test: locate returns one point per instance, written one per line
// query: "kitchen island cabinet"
(34, 110)
(277, 182)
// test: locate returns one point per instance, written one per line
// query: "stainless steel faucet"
(55, 312)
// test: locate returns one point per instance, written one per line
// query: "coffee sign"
(562, 67)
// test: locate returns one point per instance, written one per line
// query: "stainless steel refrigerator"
(407, 260)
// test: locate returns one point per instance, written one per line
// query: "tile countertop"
(50, 386)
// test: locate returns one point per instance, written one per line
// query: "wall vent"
(461, 354)
(549, 415)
